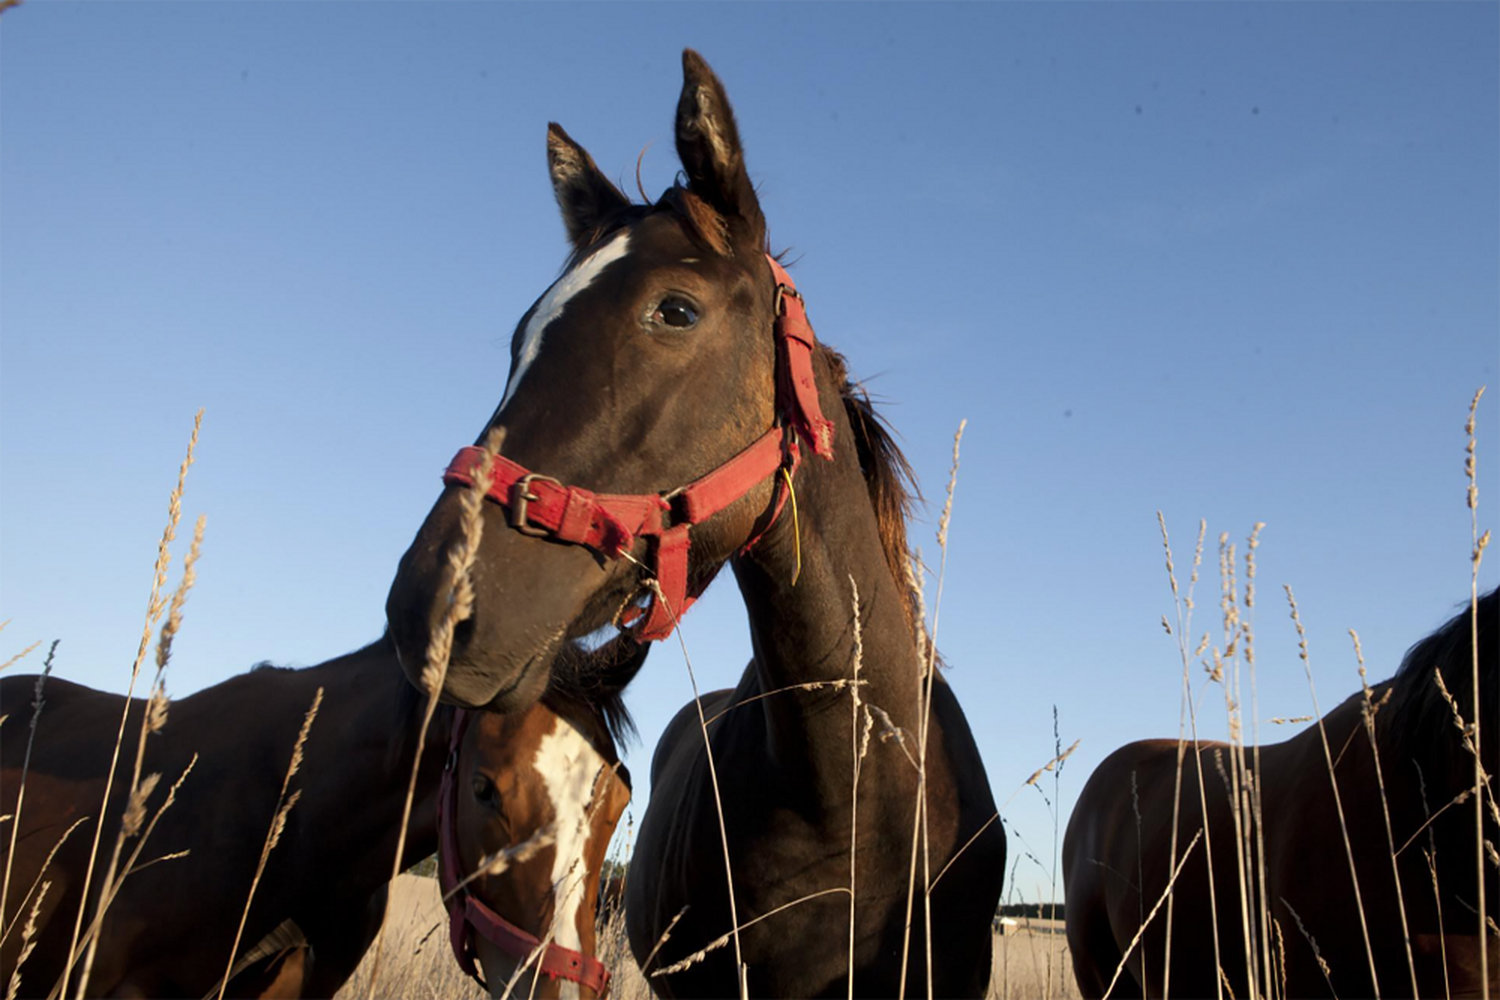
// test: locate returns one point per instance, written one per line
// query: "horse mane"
(1421, 717)
(587, 689)
(889, 478)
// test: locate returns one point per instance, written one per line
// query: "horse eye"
(677, 312)
(484, 788)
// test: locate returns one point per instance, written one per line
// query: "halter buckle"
(783, 291)
(521, 497)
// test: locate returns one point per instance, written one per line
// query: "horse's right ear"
(584, 194)
(708, 144)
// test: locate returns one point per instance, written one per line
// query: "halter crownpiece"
(609, 523)
(468, 914)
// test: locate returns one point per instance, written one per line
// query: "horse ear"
(708, 143)
(584, 194)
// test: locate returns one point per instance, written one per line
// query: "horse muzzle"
(527, 592)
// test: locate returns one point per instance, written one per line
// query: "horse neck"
(804, 631)
(359, 759)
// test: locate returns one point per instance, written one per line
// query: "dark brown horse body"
(170, 930)
(1308, 882)
(648, 364)
(785, 764)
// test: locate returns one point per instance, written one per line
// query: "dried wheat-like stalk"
(1368, 713)
(1183, 604)
(856, 758)
(497, 863)
(284, 804)
(1468, 733)
(37, 701)
(994, 818)
(154, 608)
(666, 936)
(713, 777)
(46, 863)
(724, 939)
(28, 942)
(835, 684)
(1337, 799)
(1479, 543)
(19, 656)
(109, 891)
(1252, 543)
(459, 600)
(1317, 952)
(914, 573)
(1165, 895)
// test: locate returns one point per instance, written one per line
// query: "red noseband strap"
(467, 915)
(610, 523)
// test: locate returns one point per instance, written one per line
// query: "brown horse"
(1308, 887)
(323, 894)
(552, 768)
(672, 365)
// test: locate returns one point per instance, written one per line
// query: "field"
(419, 964)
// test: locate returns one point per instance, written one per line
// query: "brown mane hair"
(889, 478)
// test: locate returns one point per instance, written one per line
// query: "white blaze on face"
(556, 300)
(568, 766)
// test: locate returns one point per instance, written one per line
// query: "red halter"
(610, 523)
(466, 913)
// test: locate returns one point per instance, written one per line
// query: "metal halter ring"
(520, 497)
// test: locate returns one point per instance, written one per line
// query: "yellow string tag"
(796, 525)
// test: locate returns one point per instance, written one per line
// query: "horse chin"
(478, 681)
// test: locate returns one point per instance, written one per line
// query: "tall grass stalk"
(741, 973)
(1256, 806)
(154, 719)
(927, 657)
(155, 606)
(41, 873)
(459, 605)
(15, 817)
(1187, 712)
(1183, 604)
(1479, 543)
(1338, 803)
(28, 935)
(19, 656)
(1370, 708)
(1166, 894)
(857, 758)
(284, 804)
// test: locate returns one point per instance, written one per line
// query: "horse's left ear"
(708, 143)
(584, 194)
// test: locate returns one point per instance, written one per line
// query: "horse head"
(528, 804)
(642, 400)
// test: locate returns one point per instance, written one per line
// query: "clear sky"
(1238, 262)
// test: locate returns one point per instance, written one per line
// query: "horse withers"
(664, 415)
(323, 894)
(1309, 893)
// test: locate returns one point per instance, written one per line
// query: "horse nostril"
(463, 633)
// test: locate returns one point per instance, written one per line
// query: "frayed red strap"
(610, 523)
(467, 913)
(796, 386)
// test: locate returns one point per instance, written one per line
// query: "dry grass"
(420, 966)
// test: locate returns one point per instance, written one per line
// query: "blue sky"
(1238, 262)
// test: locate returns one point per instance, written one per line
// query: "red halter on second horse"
(466, 913)
(610, 523)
